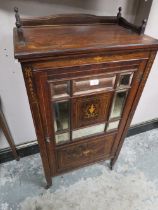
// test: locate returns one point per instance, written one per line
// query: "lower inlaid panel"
(84, 153)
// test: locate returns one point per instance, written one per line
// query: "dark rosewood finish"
(84, 75)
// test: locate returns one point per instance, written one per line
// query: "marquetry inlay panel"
(92, 109)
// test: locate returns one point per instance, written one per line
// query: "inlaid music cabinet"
(84, 75)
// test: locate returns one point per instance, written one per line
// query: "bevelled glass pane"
(118, 104)
(125, 80)
(88, 131)
(61, 138)
(60, 89)
(61, 115)
(113, 125)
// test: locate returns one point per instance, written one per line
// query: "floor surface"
(132, 185)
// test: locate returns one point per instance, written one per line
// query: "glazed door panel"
(77, 112)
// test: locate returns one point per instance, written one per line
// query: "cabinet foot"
(111, 165)
(17, 158)
(48, 185)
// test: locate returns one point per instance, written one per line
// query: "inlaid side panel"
(37, 119)
(138, 85)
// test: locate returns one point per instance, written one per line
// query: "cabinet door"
(77, 110)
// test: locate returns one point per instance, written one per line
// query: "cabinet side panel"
(30, 87)
(145, 69)
(46, 115)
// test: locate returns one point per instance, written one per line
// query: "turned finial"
(19, 26)
(17, 17)
(142, 27)
(119, 13)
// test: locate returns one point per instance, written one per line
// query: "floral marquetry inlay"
(91, 111)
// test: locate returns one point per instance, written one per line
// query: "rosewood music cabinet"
(84, 75)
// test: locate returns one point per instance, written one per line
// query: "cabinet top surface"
(54, 40)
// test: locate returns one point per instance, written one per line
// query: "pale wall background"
(12, 89)
(148, 105)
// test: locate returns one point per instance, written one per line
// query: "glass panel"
(60, 89)
(88, 131)
(92, 84)
(118, 104)
(61, 138)
(125, 80)
(61, 115)
(113, 125)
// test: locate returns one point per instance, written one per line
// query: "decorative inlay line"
(29, 76)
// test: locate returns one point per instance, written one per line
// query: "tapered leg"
(6, 131)
(112, 162)
(46, 167)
